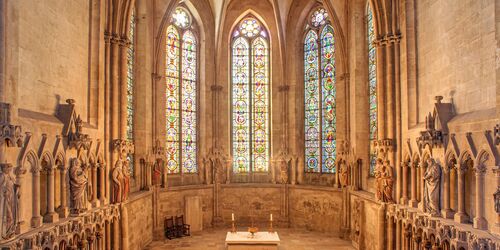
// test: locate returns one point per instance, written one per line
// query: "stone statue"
(357, 215)
(9, 202)
(283, 167)
(117, 176)
(126, 179)
(383, 175)
(343, 173)
(157, 172)
(432, 177)
(78, 186)
(219, 170)
(496, 197)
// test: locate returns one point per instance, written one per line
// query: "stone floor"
(213, 239)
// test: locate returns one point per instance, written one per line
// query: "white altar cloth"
(261, 241)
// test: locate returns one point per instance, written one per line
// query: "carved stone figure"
(383, 175)
(117, 176)
(496, 197)
(9, 202)
(283, 167)
(126, 179)
(357, 215)
(343, 173)
(157, 172)
(432, 177)
(219, 170)
(78, 186)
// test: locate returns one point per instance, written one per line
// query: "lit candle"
(232, 216)
(271, 217)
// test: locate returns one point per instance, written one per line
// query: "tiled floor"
(291, 239)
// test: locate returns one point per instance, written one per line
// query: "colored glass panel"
(260, 105)
(319, 17)
(312, 103)
(250, 98)
(328, 90)
(372, 84)
(181, 18)
(172, 99)
(188, 103)
(241, 105)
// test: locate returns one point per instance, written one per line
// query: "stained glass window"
(181, 94)
(372, 84)
(320, 95)
(250, 97)
(130, 86)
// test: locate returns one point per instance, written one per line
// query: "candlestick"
(233, 227)
(232, 216)
(271, 217)
(271, 226)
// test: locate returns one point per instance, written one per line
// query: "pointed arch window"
(250, 97)
(130, 85)
(320, 94)
(181, 93)
(372, 86)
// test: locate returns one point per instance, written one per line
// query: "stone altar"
(261, 241)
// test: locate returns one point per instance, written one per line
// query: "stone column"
(399, 234)
(413, 199)
(404, 198)
(124, 227)
(446, 212)
(95, 201)
(102, 191)
(23, 226)
(422, 184)
(51, 215)
(461, 216)
(91, 240)
(479, 221)
(116, 235)
(63, 209)
(382, 226)
(36, 219)
(390, 233)
(107, 237)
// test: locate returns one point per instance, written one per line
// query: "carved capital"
(123, 146)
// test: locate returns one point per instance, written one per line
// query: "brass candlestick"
(271, 226)
(233, 227)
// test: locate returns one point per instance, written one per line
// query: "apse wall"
(456, 54)
(53, 54)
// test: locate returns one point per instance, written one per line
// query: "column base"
(461, 218)
(51, 217)
(63, 212)
(480, 223)
(36, 221)
(96, 203)
(413, 203)
(447, 213)
(403, 201)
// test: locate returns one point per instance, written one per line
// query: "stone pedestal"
(194, 213)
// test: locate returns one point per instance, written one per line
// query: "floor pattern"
(291, 239)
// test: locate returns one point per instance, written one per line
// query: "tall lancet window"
(319, 94)
(372, 86)
(130, 86)
(181, 93)
(250, 97)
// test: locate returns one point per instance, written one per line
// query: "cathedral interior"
(371, 123)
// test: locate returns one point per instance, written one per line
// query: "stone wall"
(140, 220)
(316, 209)
(250, 200)
(171, 202)
(53, 54)
(456, 54)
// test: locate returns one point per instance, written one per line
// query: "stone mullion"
(51, 215)
(404, 196)
(446, 211)
(123, 82)
(95, 202)
(461, 216)
(413, 199)
(36, 219)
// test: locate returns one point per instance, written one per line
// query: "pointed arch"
(250, 84)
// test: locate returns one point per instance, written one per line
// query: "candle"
(271, 217)
(232, 216)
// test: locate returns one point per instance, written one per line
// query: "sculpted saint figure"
(9, 201)
(117, 176)
(432, 177)
(383, 175)
(78, 186)
(283, 167)
(343, 173)
(157, 172)
(126, 179)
